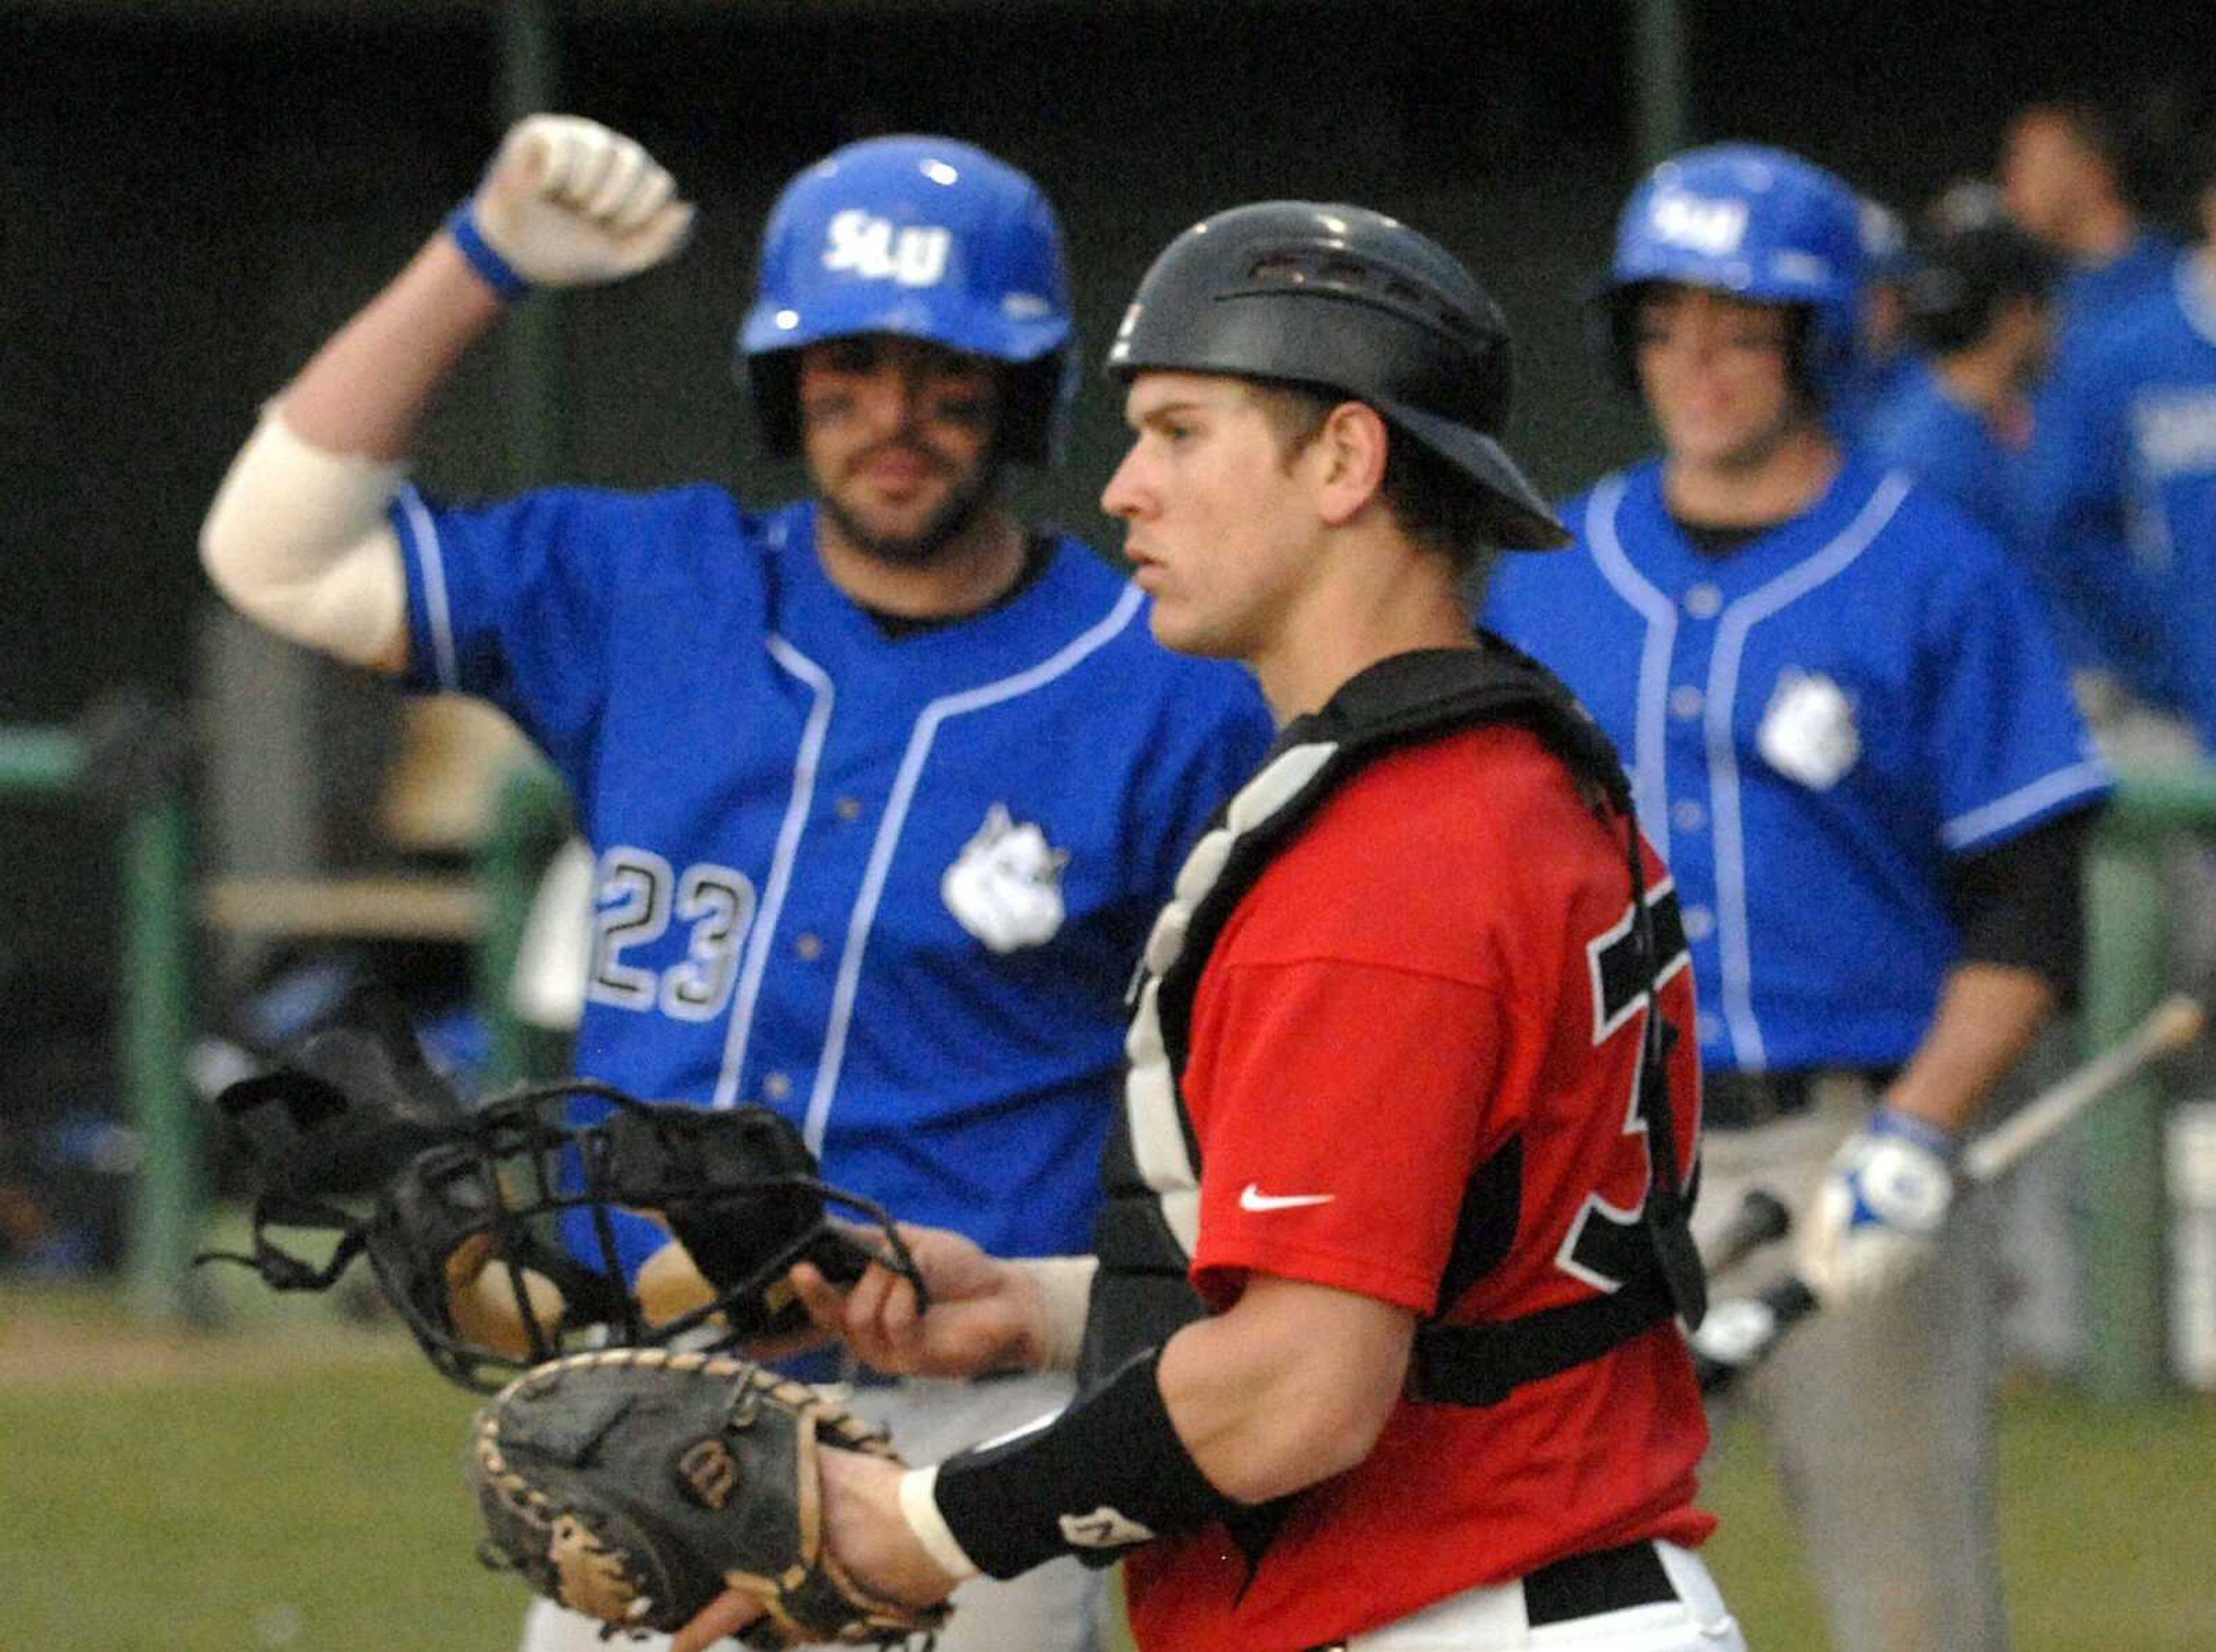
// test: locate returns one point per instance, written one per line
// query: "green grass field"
(293, 1482)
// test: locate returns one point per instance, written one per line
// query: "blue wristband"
(497, 273)
(1922, 1133)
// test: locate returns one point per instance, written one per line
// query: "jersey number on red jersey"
(1605, 1243)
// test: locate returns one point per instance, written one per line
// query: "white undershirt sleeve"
(1066, 1282)
(919, 1508)
(298, 540)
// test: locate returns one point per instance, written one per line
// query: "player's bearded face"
(1212, 515)
(900, 436)
(1718, 375)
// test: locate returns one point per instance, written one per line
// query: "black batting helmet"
(1348, 301)
(1972, 260)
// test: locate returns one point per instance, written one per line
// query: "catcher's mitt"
(635, 1485)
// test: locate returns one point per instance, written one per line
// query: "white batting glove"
(568, 203)
(1878, 1215)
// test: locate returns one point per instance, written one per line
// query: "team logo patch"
(1808, 734)
(1006, 886)
(877, 250)
(1706, 225)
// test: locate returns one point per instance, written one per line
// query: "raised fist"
(568, 203)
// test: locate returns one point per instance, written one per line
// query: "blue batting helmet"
(1754, 222)
(929, 238)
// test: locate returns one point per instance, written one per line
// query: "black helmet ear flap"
(1611, 322)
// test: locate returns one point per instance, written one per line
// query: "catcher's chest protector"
(1147, 1230)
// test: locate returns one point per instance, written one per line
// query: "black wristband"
(1103, 1476)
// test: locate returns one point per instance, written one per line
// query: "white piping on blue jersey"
(1733, 942)
(2196, 296)
(1973, 827)
(437, 612)
(798, 801)
(1649, 755)
(910, 774)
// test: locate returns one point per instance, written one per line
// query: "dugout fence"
(2132, 948)
(145, 799)
(2122, 1234)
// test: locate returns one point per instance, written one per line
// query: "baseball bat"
(2170, 1026)
(1760, 1219)
(1740, 1332)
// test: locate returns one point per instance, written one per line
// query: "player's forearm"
(365, 391)
(1289, 1387)
(1988, 1015)
(496, 1306)
(297, 538)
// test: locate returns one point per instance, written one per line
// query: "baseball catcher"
(637, 1485)
(460, 1211)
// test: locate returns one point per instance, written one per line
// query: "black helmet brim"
(1522, 520)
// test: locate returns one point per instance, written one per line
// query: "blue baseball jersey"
(2123, 478)
(2090, 293)
(2107, 615)
(1814, 724)
(1872, 382)
(894, 889)
(1918, 427)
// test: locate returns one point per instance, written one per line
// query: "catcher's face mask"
(495, 1233)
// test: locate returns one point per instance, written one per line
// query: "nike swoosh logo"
(1251, 1197)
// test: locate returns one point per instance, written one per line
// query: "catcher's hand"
(986, 1314)
(568, 203)
(639, 1486)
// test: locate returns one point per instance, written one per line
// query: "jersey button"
(1685, 702)
(808, 945)
(1704, 602)
(1687, 815)
(776, 1085)
(848, 809)
(1700, 923)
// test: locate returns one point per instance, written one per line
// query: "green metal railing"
(154, 845)
(2129, 959)
(531, 818)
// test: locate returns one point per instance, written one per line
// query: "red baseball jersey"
(1420, 982)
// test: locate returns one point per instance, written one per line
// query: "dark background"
(193, 194)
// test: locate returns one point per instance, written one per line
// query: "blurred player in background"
(2076, 173)
(1886, 355)
(1847, 720)
(883, 786)
(2069, 178)
(1382, 1354)
(1977, 311)
(2123, 470)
